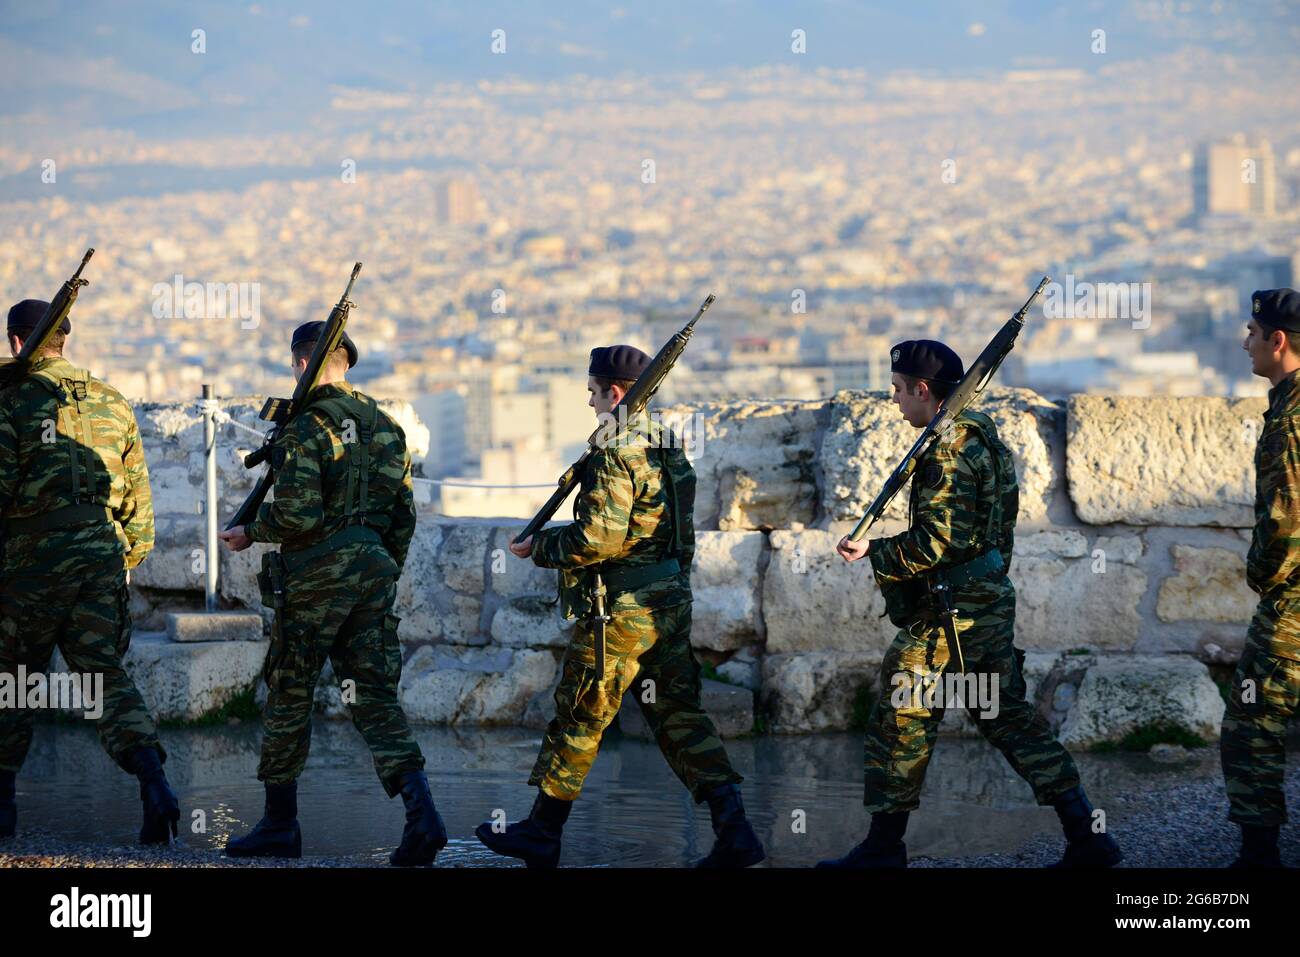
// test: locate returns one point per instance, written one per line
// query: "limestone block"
(474, 686)
(725, 583)
(754, 461)
(815, 691)
(1064, 602)
(813, 600)
(1155, 460)
(187, 680)
(1209, 584)
(214, 626)
(1121, 693)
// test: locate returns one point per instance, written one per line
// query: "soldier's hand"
(852, 551)
(522, 549)
(236, 540)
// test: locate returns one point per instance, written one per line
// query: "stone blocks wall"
(1135, 517)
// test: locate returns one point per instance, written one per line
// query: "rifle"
(968, 389)
(282, 411)
(636, 399)
(11, 370)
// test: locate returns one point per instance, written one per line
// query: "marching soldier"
(1265, 692)
(964, 500)
(343, 514)
(77, 516)
(633, 536)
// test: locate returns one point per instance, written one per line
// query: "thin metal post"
(211, 556)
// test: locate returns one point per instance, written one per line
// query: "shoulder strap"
(77, 431)
(670, 487)
(995, 462)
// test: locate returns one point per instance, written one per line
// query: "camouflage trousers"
(656, 644)
(903, 725)
(1264, 696)
(87, 615)
(348, 620)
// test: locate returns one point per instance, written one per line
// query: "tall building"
(456, 202)
(1234, 177)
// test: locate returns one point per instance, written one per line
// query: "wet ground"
(803, 794)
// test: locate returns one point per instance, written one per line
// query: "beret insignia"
(893, 357)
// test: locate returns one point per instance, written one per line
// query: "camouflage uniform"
(344, 513)
(624, 521)
(1253, 739)
(964, 500)
(74, 495)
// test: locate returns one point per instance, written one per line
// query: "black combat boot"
(1259, 846)
(277, 834)
(883, 847)
(536, 839)
(737, 845)
(424, 835)
(8, 809)
(162, 812)
(1085, 848)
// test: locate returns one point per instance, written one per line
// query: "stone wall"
(1129, 559)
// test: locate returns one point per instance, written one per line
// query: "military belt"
(631, 577)
(59, 518)
(295, 559)
(981, 566)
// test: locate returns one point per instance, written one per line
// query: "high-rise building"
(456, 202)
(1234, 177)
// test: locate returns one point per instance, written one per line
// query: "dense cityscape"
(508, 226)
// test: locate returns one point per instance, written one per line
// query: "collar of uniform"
(1283, 395)
(54, 368)
(330, 390)
(639, 428)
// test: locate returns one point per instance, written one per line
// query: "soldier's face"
(15, 345)
(1259, 346)
(913, 405)
(299, 366)
(602, 402)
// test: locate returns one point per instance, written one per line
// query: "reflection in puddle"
(803, 793)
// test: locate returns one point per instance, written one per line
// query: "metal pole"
(211, 555)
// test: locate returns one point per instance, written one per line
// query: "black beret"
(311, 331)
(926, 359)
(1276, 308)
(24, 316)
(617, 362)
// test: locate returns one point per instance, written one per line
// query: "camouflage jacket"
(1273, 563)
(66, 438)
(310, 495)
(622, 517)
(964, 500)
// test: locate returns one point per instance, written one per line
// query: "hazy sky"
(272, 64)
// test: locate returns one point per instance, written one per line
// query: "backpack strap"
(77, 432)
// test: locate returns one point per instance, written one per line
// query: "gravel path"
(1181, 826)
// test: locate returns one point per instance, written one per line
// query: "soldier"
(964, 499)
(343, 514)
(633, 527)
(1266, 689)
(77, 516)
